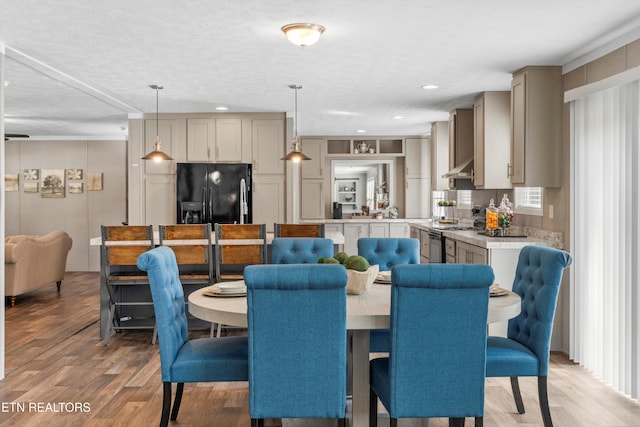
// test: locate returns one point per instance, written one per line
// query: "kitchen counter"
(359, 220)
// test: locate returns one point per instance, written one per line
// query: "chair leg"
(219, 331)
(456, 422)
(166, 404)
(373, 408)
(107, 331)
(342, 422)
(479, 422)
(544, 401)
(154, 337)
(58, 283)
(212, 331)
(516, 394)
(177, 401)
(257, 422)
(13, 301)
(393, 422)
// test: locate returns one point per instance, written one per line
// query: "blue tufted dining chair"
(297, 341)
(387, 252)
(525, 351)
(300, 250)
(442, 373)
(199, 360)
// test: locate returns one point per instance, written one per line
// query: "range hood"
(462, 171)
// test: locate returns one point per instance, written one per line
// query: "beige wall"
(80, 215)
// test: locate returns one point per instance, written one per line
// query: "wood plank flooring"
(54, 356)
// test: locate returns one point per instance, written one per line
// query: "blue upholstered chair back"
(168, 303)
(297, 340)
(438, 339)
(389, 251)
(300, 250)
(537, 281)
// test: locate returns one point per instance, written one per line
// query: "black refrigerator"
(213, 193)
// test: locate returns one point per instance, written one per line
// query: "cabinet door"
(379, 230)
(333, 228)
(414, 233)
(417, 159)
(170, 138)
(312, 199)
(400, 230)
(424, 247)
(439, 147)
(478, 142)
(228, 140)
(160, 199)
(268, 147)
(314, 148)
(470, 254)
(268, 200)
(518, 113)
(201, 140)
(352, 232)
(417, 198)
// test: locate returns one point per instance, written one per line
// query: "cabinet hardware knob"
(509, 173)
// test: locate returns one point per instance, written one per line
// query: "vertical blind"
(605, 326)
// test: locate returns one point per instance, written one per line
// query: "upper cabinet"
(439, 148)
(460, 136)
(268, 147)
(314, 148)
(214, 140)
(536, 127)
(491, 141)
(417, 158)
(172, 137)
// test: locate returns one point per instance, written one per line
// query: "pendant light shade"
(296, 154)
(157, 155)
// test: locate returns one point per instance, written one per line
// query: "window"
(464, 199)
(528, 200)
(371, 190)
(437, 196)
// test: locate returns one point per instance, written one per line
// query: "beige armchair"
(32, 262)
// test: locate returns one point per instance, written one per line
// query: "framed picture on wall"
(94, 181)
(52, 183)
(31, 175)
(74, 174)
(11, 182)
(31, 186)
(75, 187)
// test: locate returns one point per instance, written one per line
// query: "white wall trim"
(613, 81)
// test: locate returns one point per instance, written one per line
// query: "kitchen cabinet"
(172, 136)
(347, 192)
(314, 168)
(417, 198)
(460, 136)
(379, 230)
(214, 140)
(414, 233)
(352, 232)
(439, 147)
(268, 147)
(417, 158)
(312, 196)
(491, 140)
(424, 247)
(536, 127)
(470, 254)
(160, 199)
(268, 200)
(400, 230)
(334, 227)
(450, 251)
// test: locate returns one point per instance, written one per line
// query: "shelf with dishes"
(365, 147)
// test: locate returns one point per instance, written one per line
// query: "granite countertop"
(473, 237)
(360, 220)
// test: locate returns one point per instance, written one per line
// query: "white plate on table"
(232, 287)
(384, 277)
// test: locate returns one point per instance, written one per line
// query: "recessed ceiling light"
(6, 83)
(221, 108)
(398, 117)
(361, 131)
(430, 87)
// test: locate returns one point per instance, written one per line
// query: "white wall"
(80, 215)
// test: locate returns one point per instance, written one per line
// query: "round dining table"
(366, 311)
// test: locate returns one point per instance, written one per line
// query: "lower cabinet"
(470, 254)
(400, 230)
(378, 230)
(352, 232)
(312, 199)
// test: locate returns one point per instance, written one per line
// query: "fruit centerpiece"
(360, 274)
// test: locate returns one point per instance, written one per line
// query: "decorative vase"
(360, 281)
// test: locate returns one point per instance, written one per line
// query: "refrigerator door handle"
(205, 215)
(210, 204)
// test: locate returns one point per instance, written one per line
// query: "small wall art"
(31, 175)
(75, 187)
(74, 174)
(11, 182)
(31, 186)
(94, 181)
(52, 183)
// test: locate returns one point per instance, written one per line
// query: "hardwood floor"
(54, 357)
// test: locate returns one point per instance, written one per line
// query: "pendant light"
(157, 155)
(296, 154)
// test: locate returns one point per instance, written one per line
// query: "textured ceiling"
(79, 67)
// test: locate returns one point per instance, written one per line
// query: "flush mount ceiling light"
(296, 154)
(430, 87)
(303, 34)
(157, 155)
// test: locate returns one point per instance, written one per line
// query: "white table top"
(369, 310)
